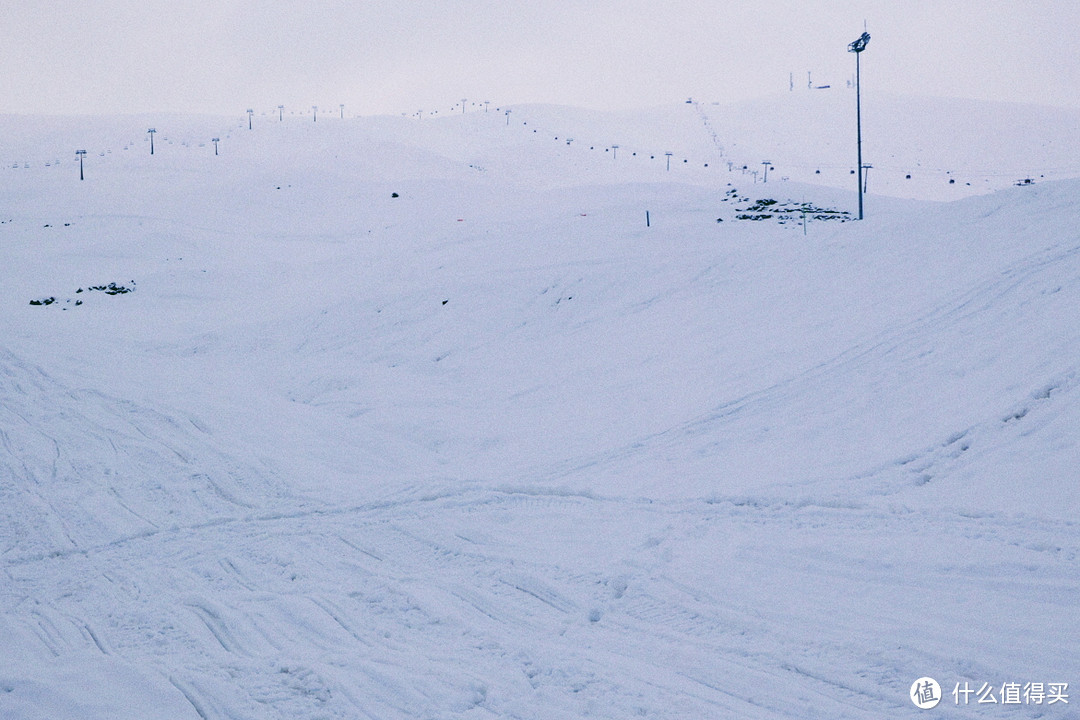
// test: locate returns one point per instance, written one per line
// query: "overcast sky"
(393, 56)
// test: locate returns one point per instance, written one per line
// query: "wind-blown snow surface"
(494, 448)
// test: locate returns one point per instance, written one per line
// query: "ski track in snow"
(472, 600)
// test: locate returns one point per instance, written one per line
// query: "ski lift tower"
(857, 47)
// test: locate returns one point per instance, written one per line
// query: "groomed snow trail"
(522, 605)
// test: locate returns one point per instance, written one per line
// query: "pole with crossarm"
(857, 47)
(151, 131)
(81, 154)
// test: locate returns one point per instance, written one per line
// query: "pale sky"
(394, 56)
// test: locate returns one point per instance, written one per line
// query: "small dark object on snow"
(113, 289)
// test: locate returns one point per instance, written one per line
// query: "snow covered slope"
(399, 418)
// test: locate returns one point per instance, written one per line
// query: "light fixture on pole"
(250, 113)
(215, 141)
(280, 112)
(342, 106)
(668, 160)
(857, 47)
(766, 163)
(463, 101)
(315, 113)
(614, 152)
(151, 131)
(81, 154)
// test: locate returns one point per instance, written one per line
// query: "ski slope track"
(393, 418)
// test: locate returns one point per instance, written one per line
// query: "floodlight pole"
(614, 152)
(766, 163)
(151, 131)
(507, 118)
(857, 47)
(668, 160)
(315, 113)
(342, 111)
(250, 113)
(81, 154)
(216, 141)
(280, 112)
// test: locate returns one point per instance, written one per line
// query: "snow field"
(495, 448)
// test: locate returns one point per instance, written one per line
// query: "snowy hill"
(396, 417)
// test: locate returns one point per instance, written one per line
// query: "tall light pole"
(81, 154)
(250, 113)
(216, 141)
(463, 101)
(342, 106)
(315, 113)
(151, 131)
(668, 160)
(857, 47)
(280, 112)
